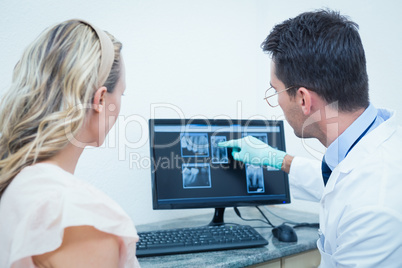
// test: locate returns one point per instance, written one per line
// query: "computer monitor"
(189, 170)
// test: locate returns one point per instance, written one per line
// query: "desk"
(275, 254)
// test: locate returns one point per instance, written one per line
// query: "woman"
(65, 94)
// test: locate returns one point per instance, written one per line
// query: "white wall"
(198, 58)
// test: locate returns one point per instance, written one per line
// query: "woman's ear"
(99, 99)
(305, 100)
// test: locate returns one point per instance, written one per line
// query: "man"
(319, 77)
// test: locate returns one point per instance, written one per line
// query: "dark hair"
(321, 51)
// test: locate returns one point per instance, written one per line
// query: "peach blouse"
(42, 201)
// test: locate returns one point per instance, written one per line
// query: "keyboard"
(197, 239)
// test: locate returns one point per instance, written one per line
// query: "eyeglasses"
(272, 95)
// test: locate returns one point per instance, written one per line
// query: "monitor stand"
(218, 217)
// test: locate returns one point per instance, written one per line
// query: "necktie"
(326, 171)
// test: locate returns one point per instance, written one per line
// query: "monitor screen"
(189, 170)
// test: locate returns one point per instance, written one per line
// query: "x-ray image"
(261, 136)
(196, 176)
(219, 154)
(194, 144)
(255, 179)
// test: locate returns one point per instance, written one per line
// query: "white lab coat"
(361, 205)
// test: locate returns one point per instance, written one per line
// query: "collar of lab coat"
(366, 146)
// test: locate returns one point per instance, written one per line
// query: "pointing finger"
(231, 143)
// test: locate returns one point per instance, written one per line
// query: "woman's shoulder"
(43, 179)
(49, 185)
(44, 199)
(41, 176)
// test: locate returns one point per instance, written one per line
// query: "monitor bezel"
(215, 204)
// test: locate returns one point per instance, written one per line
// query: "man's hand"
(251, 150)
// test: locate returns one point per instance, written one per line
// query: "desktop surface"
(307, 238)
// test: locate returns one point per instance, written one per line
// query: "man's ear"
(305, 100)
(99, 99)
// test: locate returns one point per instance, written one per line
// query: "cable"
(286, 220)
(265, 217)
(267, 221)
(306, 224)
(296, 224)
(236, 209)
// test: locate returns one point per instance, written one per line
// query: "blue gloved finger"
(231, 143)
(223, 144)
(236, 149)
(239, 155)
(236, 156)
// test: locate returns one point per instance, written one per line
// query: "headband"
(107, 53)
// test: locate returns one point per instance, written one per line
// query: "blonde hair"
(57, 73)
